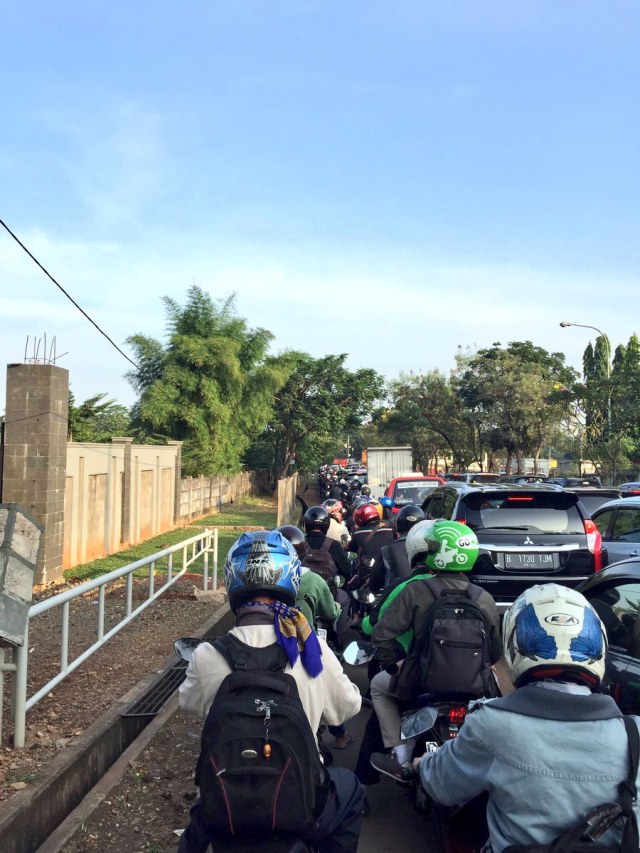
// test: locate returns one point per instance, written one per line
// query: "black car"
(615, 596)
(527, 534)
(523, 479)
(576, 482)
(592, 498)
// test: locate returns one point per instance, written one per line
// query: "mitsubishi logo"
(528, 541)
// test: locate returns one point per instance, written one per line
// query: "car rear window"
(599, 497)
(413, 492)
(532, 512)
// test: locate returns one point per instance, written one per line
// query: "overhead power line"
(70, 298)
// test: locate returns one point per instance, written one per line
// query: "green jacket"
(315, 599)
(395, 589)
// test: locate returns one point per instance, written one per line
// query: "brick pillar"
(35, 455)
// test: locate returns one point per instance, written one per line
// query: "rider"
(394, 556)
(337, 529)
(449, 550)
(316, 525)
(368, 539)
(316, 601)
(314, 596)
(551, 751)
(262, 575)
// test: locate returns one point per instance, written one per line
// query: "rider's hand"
(416, 763)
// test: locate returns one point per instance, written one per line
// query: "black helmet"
(365, 491)
(408, 516)
(316, 518)
(296, 537)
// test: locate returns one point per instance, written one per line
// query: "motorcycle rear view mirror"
(185, 645)
(363, 596)
(419, 722)
(358, 653)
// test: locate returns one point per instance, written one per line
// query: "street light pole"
(564, 324)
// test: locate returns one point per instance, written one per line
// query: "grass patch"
(251, 512)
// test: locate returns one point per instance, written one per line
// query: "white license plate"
(526, 560)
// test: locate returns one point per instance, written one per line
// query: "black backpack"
(454, 651)
(320, 561)
(259, 771)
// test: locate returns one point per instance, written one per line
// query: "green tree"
(319, 402)
(212, 386)
(608, 397)
(97, 419)
(520, 395)
(428, 414)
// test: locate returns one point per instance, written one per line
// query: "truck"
(385, 463)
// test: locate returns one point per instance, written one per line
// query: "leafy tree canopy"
(97, 419)
(211, 386)
(318, 404)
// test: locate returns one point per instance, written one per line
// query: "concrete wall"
(116, 495)
(200, 496)
(122, 493)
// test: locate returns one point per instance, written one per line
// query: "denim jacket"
(545, 758)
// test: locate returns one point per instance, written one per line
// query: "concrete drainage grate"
(157, 695)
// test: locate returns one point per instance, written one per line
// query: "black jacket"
(315, 539)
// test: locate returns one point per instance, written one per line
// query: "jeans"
(336, 830)
(387, 710)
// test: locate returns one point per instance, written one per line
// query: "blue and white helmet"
(551, 631)
(261, 562)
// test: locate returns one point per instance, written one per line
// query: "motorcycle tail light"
(457, 713)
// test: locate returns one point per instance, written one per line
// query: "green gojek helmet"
(442, 546)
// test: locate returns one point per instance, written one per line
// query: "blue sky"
(390, 180)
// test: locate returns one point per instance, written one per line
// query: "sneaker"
(388, 764)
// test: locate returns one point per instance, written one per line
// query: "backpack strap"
(627, 789)
(437, 586)
(240, 657)
(326, 545)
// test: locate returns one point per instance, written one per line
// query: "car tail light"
(519, 499)
(594, 543)
(462, 520)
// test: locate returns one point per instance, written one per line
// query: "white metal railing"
(195, 548)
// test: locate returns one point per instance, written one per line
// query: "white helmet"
(551, 631)
(418, 539)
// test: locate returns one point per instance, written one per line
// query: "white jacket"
(330, 698)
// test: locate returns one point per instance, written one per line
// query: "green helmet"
(442, 546)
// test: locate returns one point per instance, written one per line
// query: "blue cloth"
(541, 775)
(294, 634)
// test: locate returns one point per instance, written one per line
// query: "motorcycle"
(281, 843)
(459, 829)
(432, 724)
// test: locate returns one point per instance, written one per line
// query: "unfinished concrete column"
(177, 482)
(35, 455)
(125, 519)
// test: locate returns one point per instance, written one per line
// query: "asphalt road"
(393, 824)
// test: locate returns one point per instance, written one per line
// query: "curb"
(70, 826)
(80, 777)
